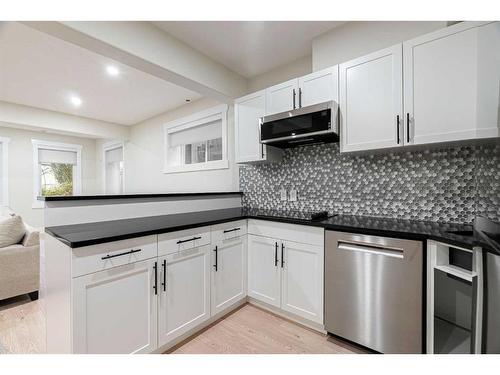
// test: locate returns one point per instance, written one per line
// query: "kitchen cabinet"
(319, 87)
(371, 101)
(228, 281)
(264, 270)
(115, 311)
(282, 97)
(248, 110)
(184, 292)
(287, 274)
(314, 88)
(451, 79)
(302, 280)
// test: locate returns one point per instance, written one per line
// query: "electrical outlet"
(283, 194)
(293, 195)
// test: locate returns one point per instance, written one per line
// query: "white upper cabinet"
(282, 97)
(247, 112)
(319, 87)
(371, 101)
(451, 80)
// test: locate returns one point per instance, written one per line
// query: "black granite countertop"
(80, 235)
(59, 198)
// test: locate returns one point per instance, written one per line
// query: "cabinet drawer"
(101, 257)
(227, 231)
(288, 232)
(169, 243)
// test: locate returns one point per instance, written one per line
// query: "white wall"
(21, 169)
(143, 158)
(356, 39)
(283, 73)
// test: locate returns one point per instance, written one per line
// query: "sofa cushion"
(31, 236)
(11, 230)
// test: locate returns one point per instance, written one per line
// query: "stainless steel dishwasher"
(373, 291)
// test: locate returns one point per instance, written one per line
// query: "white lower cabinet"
(264, 270)
(145, 304)
(302, 280)
(287, 274)
(115, 310)
(228, 273)
(184, 292)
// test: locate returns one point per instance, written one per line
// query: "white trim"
(199, 118)
(107, 147)
(4, 199)
(77, 169)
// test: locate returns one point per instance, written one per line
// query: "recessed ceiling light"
(76, 101)
(112, 70)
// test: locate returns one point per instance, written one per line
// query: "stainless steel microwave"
(317, 123)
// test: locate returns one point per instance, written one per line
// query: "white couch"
(20, 266)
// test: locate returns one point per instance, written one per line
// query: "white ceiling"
(41, 71)
(249, 47)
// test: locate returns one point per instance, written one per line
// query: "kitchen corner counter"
(80, 235)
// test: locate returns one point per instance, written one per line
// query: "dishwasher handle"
(371, 249)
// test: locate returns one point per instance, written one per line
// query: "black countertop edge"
(131, 196)
(81, 235)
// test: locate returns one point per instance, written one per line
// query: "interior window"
(56, 172)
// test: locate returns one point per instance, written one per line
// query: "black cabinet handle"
(121, 254)
(275, 254)
(231, 230)
(164, 284)
(407, 127)
(282, 255)
(155, 286)
(397, 127)
(293, 98)
(300, 97)
(191, 239)
(216, 260)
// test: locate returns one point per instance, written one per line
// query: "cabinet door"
(248, 110)
(451, 80)
(371, 101)
(184, 292)
(319, 87)
(115, 311)
(264, 271)
(302, 288)
(228, 273)
(282, 97)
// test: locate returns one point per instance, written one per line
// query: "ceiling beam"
(24, 117)
(145, 47)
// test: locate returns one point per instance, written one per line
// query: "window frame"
(212, 114)
(4, 198)
(108, 146)
(57, 146)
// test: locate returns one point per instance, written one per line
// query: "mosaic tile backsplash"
(450, 184)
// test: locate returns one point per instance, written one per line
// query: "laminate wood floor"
(248, 330)
(251, 330)
(22, 326)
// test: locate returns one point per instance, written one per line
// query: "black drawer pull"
(216, 265)
(231, 230)
(191, 239)
(164, 283)
(275, 254)
(282, 255)
(119, 255)
(155, 286)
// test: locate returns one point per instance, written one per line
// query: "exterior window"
(57, 169)
(113, 168)
(197, 142)
(4, 163)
